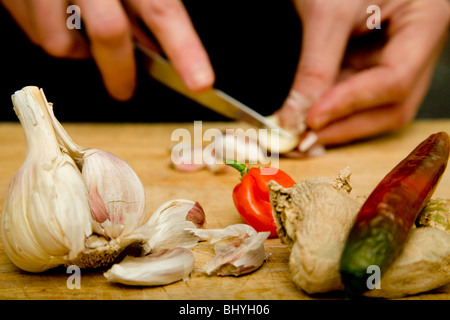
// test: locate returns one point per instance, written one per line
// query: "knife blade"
(163, 71)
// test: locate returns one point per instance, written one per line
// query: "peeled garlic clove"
(46, 213)
(116, 193)
(304, 145)
(166, 227)
(279, 143)
(241, 146)
(238, 255)
(161, 268)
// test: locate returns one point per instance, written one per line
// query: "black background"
(253, 45)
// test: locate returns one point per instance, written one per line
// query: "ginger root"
(315, 216)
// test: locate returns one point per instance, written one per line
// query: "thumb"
(325, 35)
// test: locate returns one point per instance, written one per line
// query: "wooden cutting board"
(146, 148)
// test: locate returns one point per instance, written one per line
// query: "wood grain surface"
(146, 148)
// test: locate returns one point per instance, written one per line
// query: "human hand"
(110, 39)
(345, 93)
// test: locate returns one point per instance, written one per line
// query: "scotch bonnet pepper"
(251, 195)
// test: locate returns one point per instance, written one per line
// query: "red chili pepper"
(386, 218)
(251, 196)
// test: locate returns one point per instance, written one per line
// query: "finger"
(412, 45)
(324, 39)
(55, 38)
(377, 86)
(170, 23)
(19, 10)
(111, 45)
(375, 121)
(402, 61)
(362, 125)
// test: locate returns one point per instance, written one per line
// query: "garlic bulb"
(46, 213)
(163, 267)
(55, 215)
(116, 193)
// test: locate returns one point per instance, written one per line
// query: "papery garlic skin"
(215, 235)
(239, 249)
(237, 256)
(161, 268)
(46, 213)
(167, 226)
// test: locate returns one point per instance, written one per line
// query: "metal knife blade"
(214, 99)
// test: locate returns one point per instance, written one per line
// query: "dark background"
(253, 45)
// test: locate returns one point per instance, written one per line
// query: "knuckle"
(400, 91)
(336, 10)
(161, 9)
(314, 73)
(400, 85)
(57, 45)
(109, 28)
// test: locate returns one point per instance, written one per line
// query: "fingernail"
(318, 121)
(308, 141)
(316, 151)
(201, 76)
(122, 93)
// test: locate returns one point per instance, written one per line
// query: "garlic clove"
(279, 143)
(166, 227)
(238, 255)
(183, 160)
(186, 163)
(240, 146)
(46, 213)
(304, 144)
(160, 268)
(98, 207)
(115, 190)
(196, 215)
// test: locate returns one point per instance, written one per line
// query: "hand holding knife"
(162, 70)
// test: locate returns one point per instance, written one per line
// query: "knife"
(163, 71)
